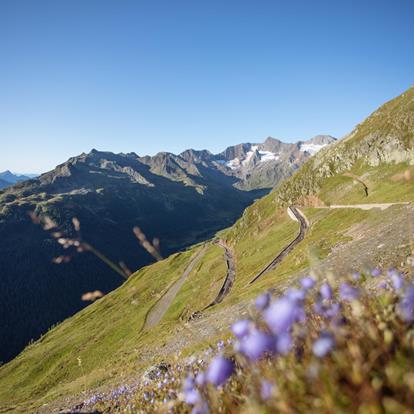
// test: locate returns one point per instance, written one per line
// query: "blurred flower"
(266, 389)
(219, 370)
(200, 379)
(375, 272)
(241, 328)
(356, 276)
(192, 397)
(348, 292)
(326, 311)
(382, 284)
(201, 408)
(188, 383)
(296, 294)
(396, 280)
(256, 345)
(284, 343)
(406, 305)
(280, 315)
(323, 345)
(262, 301)
(326, 291)
(308, 282)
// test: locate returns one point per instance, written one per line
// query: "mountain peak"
(11, 178)
(321, 140)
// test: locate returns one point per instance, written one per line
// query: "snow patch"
(233, 164)
(312, 149)
(250, 154)
(268, 156)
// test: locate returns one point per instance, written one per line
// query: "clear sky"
(149, 75)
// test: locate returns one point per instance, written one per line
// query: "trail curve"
(156, 313)
(230, 276)
(294, 214)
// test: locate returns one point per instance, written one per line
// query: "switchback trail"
(231, 274)
(156, 313)
(294, 214)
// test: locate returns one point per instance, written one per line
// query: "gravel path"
(231, 274)
(297, 215)
(381, 206)
(156, 313)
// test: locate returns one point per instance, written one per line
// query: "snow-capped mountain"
(262, 165)
(316, 144)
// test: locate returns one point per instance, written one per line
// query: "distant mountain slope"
(4, 183)
(263, 165)
(109, 194)
(254, 166)
(13, 178)
(7, 178)
(108, 336)
(181, 199)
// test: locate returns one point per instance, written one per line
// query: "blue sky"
(147, 76)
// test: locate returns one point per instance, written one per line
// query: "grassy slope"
(98, 335)
(107, 335)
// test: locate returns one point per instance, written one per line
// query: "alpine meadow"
(275, 275)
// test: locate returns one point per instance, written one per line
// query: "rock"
(154, 371)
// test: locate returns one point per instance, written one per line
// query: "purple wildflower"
(284, 343)
(406, 305)
(323, 345)
(326, 291)
(308, 282)
(266, 389)
(262, 301)
(376, 272)
(201, 408)
(200, 379)
(241, 328)
(188, 383)
(391, 271)
(382, 284)
(296, 295)
(397, 280)
(280, 315)
(356, 276)
(332, 310)
(219, 370)
(256, 345)
(192, 397)
(348, 292)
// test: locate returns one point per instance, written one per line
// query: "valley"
(339, 229)
(179, 199)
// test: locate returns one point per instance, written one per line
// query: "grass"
(207, 277)
(98, 335)
(386, 183)
(107, 335)
(367, 366)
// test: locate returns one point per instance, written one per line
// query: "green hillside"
(372, 165)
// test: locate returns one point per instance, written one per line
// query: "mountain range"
(7, 178)
(356, 201)
(179, 199)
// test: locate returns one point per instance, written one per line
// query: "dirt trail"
(370, 206)
(231, 274)
(156, 313)
(294, 214)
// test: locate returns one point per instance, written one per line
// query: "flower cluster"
(339, 344)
